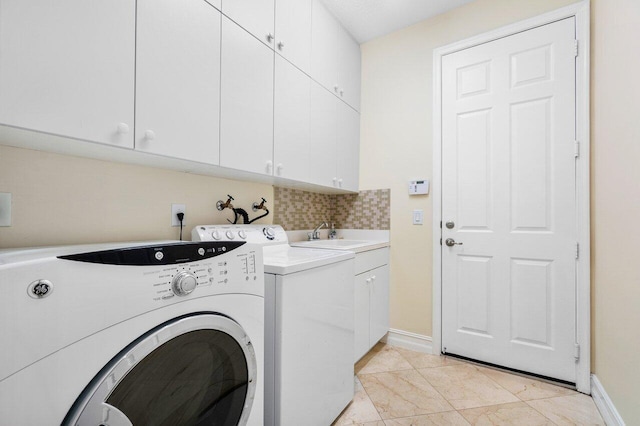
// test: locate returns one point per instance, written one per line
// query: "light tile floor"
(399, 387)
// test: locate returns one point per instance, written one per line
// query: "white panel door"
(246, 123)
(67, 68)
(255, 16)
(292, 137)
(347, 146)
(178, 79)
(508, 161)
(293, 32)
(322, 151)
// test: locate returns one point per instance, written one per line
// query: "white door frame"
(581, 12)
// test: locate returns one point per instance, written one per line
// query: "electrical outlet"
(5, 209)
(175, 209)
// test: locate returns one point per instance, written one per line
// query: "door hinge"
(577, 149)
(440, 241)
(576, 353)
(577, 250)
(440, 224)
(575, 47)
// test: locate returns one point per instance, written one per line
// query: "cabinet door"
(379, 304)
(293, 32)
(255, 16)
(362, 314)
(178, 79)
(322, 151)
(67, 68)
(348, 69)
(291, 122)
(324, 53)
(347, 146)
(246, 124)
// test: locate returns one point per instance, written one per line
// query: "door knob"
(451, 242)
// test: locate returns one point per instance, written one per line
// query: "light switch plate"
(5, 209)
(418, 217)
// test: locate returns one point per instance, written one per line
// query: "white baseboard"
(607, 410)
(408, 340)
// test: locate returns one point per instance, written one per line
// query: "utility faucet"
(315, 234)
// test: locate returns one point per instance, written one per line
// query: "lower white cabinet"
(371, 299)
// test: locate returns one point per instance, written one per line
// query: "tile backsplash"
(296, 210)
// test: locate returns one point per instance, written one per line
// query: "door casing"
(581, 12)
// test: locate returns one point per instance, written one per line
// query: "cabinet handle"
(123, 128)
(373, 278)
(279, 169)
(335, 181)
(341, 92)
(149, 135)
(336, 88)
(270, 37)
(280, 45)
(340, 183)
(269, 166)
(368, 280)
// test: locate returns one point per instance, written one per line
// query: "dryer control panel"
(180, 269)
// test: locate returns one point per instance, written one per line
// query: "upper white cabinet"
(293, 32)
(255, 16)
(322, 149)
(335, 57)
(335, 141)
(246, 123)
(324, 40)
(348, 69)
(270, 87)
(291, 122)
(67, 68)
(347, 147)
(178, 79)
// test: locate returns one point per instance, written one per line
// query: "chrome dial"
(184, 283)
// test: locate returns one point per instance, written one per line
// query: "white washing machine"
(146, 334)
(309, 338)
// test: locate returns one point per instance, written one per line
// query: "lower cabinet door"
(379, 304)
(361, 315)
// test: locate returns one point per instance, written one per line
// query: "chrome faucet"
(315, 234)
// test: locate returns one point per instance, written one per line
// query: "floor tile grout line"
(370, 400)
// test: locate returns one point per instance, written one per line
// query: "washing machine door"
(197, 370)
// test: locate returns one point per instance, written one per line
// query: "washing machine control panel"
(257, 234)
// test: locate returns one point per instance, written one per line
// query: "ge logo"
(40, 288)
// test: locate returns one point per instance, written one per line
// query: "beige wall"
(396, 147)
(68, 200)
(615, 191)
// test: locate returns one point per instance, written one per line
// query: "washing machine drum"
(197, 370)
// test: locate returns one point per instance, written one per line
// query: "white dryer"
(145, 334)
(309, 339)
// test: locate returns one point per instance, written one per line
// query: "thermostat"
(418, 187)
